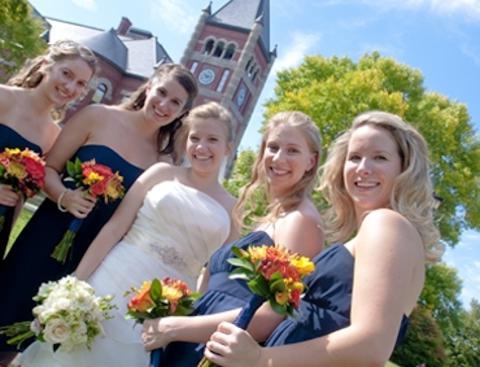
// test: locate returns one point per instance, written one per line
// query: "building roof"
(243, 14)
(137, 52)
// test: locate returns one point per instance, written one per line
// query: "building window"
(194, 67)
(229, 52)
(219, 49)
(99, 93)
(224, 78)
(248, 63)
(208, 47)
(254, 76)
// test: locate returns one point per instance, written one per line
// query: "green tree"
(334, 90)
(464, 344)
(241, 174)
(423, 343)
(19, 35)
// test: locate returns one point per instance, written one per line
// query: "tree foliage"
(19, 35)
(334, 90)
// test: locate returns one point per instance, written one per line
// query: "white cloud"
(469, 8)
(86, 4)
(176, 15)
(300, 46)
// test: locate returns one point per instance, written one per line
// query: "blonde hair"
(33, 71)
(412, 193)
(305, 125)
(210, 110)
(166, 134)
(31, 74)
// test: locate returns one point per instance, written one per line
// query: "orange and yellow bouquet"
(97, 180)
(273, 274)
(24, 171)
(160, 298)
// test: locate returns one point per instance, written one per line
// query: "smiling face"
(165, 100)
(65, 80)
(207, 145)
(286, 158)
(372, 164)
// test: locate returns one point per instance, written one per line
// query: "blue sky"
(438, 37)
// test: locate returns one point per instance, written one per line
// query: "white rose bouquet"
(68, 316)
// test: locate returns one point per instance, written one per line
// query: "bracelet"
(59, 201)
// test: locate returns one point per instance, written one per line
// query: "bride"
(171, 221)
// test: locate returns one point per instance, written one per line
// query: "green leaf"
(156, 290)
(241, 264)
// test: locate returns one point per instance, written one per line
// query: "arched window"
(229, 51)
(248, 63)
(99, 93)
(219, 49)
(208, 47)
(254, 76)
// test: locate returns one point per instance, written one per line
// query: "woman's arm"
(76, 133)
(121, 220)
(387, 251)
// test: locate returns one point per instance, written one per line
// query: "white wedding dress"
(174, 234)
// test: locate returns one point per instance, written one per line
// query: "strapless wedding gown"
(174, 234)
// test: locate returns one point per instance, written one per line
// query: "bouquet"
(68, 316)
(168, 297)
(97, 180)
(273, 274)
(24, 171)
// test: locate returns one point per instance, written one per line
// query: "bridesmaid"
(45, 85)
(128, 138)
(376, 179)
(286, 167)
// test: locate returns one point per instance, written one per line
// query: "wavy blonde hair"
(33, 71)
(305, 125)
(412, 193)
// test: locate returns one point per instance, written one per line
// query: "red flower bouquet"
(24, 171)
(168, 297)
(273, 274)
(97, 180)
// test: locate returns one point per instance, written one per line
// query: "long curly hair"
(412, 194)
(183, 76)
(305, 125)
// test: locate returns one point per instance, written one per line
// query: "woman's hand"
(155, 333)
(231, 346)
(8, 197)
(78, 203)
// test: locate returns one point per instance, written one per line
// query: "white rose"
(36, 327)
(56, 331)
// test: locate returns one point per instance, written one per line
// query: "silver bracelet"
(59, 201)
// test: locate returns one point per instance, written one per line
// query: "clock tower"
(230, 55)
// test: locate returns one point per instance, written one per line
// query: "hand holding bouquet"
(68, 316)
(273, 274)
(97, 180)
(154, 299)
(22, 170)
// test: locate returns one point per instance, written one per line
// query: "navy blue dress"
(223, 294)
(9, 138)
(29, 264)
(324, 309)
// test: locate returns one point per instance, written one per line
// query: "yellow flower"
(17, 170)
(257, 253)
(12, 151)
(303, 265)
(172, 294)
(92, 178)
(281, 297)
